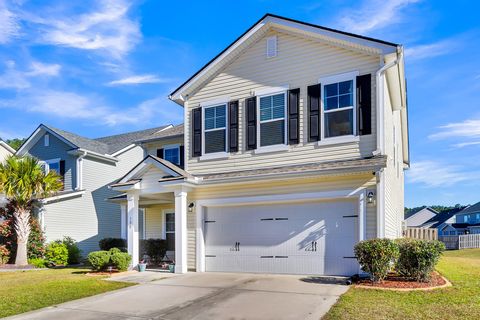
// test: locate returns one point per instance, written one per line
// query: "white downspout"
(79, 181)
(379, 78)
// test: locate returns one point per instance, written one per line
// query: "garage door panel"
(307, 238)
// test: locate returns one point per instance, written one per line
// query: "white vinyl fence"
(469, 241)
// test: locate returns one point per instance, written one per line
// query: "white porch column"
(123, 221)
(180, 231)
(132, 237)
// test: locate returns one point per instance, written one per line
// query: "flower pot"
(171, 268)
(142, 267)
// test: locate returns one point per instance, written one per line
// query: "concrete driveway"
(206, 296)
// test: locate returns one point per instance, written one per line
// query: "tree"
(15, 143)
(23, 182)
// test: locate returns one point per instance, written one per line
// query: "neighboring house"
(470, 216)
(87, 167)
(444, 222)
(418, 217)
(5, 150)
(296, 142)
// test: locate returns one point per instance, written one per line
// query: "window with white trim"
(215, 129)
(46, 140)
(48, 165)
(172, 154)
(339, 108)
(272, 119)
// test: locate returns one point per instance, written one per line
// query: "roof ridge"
(136, 131)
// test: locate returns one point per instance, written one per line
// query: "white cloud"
(373, 15)
(70, 105)
(436, 174)
(138, 79)
(9, 24)
(468, 130)
(107, 28)
(17, 79)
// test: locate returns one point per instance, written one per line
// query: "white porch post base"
(180, 231)
(132, 231)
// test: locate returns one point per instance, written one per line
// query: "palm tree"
(23, 182)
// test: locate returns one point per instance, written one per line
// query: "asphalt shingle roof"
(106, 145)
(474, 208)
(167, 133)
(442, 217)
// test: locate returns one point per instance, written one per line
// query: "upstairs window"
(272, 119)
(48, 165)
(172, 154)
(46, 140)
(215, 133)
(339, 109)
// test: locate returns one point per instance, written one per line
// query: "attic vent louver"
(272, 47)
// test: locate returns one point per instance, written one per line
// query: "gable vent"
(272, 47)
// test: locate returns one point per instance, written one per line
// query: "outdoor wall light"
(191, 206)
(370, 198)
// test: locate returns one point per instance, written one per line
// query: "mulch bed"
(394, 281)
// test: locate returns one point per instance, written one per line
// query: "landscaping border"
(445, 285)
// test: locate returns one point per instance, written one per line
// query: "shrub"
(38, 262)
(74, 253)
(99, 260)
(4, 254)
(418, 258)
(109, 243)
(57, 253)
(120, 260)
(376, 256)
(156, 249)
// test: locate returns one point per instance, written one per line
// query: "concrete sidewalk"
(205, 296)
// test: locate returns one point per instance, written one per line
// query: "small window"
(170, 231)
(272, 119)
(272, 47)
(338, 108)
(215, 135)
(46, 140)
(465, 218)
(48, 165)
(172, 154)
(478, 216)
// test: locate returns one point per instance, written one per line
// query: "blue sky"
(104, 67)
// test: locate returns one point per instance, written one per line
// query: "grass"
(29, 290)
(462, 301)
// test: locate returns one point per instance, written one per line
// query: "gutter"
(80, 170)
(94, 154)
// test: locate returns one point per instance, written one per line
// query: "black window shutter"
(233, 126)
(160, 153)
(62, 170)
(197, 132)
(251, 117)
(293, 119)
(364, 104)
(314, 125)
(182, 157)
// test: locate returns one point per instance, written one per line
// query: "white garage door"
(307, 238)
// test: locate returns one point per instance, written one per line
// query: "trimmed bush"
(376, 257)
(418, 258)
(156, 249)
(56, 253)
(120, 260)
(109, 243)
(74, 253)
(99, 260)
(38, 262)
(4, 254)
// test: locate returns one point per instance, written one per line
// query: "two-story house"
(296, 141)
(87, 167)
(470, 217)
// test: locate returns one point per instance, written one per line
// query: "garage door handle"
(266, 257)
(281, 256)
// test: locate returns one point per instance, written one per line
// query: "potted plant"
(171, 267)
(142, 266)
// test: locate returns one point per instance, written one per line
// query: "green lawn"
(462, 301)
(30, 290)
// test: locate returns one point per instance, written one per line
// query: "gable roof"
(474, 208)
(103, 146)
(7, 146)
(176, 131)
(442, 217)
(417, 210)
(262, 26)
(419, 216)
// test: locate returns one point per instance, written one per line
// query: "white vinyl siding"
(301, 63)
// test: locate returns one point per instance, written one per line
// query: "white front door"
(301, 238)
